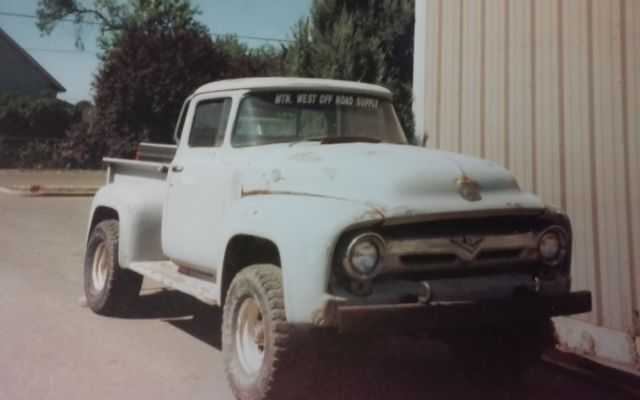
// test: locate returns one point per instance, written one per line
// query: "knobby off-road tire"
(255, 334)
(109, 289)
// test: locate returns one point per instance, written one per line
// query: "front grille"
(424, 259)
(455, 247)
(464, 226)
(500, 255)
(452, 249)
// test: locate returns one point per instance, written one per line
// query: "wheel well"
(243, 251)
(101, 214)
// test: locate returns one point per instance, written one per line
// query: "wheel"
(496, 357)
(109, 289)
(255, 333)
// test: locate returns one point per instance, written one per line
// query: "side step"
(166, 272)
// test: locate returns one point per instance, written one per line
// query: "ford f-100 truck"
(298, 203)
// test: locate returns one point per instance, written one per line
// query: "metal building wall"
(551, 90)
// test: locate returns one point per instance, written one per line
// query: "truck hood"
(396, 180)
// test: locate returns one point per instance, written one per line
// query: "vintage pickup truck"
(298, 203)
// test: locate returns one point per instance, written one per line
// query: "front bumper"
(418, 317)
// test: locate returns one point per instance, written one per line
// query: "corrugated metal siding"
(550, 89)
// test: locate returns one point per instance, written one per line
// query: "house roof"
(282, 83)
(54, 83)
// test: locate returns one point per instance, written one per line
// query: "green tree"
(155, 53)
(115, 16)
(148, 74)
(362, 40)
(265, 60)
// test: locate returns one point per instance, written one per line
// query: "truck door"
(193, 208)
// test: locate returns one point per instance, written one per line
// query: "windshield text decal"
(325, 99)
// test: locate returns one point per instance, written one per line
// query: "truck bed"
(122, 169)
(156, 152)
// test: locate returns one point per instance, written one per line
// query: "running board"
(167, 273)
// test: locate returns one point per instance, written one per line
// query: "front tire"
(255, 333)
(109, 289)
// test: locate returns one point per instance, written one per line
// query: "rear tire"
(109, 289)
(255, 333)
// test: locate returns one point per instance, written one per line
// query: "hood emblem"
(468, 188)
(469, 243)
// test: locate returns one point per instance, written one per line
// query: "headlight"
(363, 259)
(552, 245)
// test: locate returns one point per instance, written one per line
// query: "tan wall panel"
(632, 56)
(609, 160)
(496, 86)
(520, 93)
(551, 89)
(548, 173)
(432, 61)
(451, 76)
(471, 127)
(578, 167)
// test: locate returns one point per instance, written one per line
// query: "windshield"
(275, 117)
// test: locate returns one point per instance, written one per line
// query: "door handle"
(177, 168)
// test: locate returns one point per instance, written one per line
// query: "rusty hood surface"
(397, 180)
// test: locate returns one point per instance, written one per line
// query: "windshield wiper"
(348, 139)
(311, 139)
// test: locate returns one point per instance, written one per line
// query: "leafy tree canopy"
(155, 54)
(114, 16)
(362, 40)
(265, 60)
(141, 85)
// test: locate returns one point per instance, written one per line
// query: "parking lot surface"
(52, 347)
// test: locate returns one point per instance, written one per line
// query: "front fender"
(139, 209)
(305, 230)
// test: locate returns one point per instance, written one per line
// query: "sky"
(74, 69)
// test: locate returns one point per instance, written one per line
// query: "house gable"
(21, 73)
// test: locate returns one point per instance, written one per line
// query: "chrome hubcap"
(250, 336)
(99, 267)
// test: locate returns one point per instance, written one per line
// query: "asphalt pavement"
(53, 347)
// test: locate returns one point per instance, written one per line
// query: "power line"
(266, 39)
(87, 52)
(31, 16)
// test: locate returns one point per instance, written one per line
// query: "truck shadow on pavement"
(327, 366)
(182, 311)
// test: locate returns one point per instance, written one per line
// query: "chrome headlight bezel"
(562, 238)
(372, 238)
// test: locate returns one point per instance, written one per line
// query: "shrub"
(35, 117)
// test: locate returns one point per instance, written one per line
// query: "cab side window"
(209, 123)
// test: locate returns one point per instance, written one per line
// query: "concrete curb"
(49, 191)
(589, 370)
